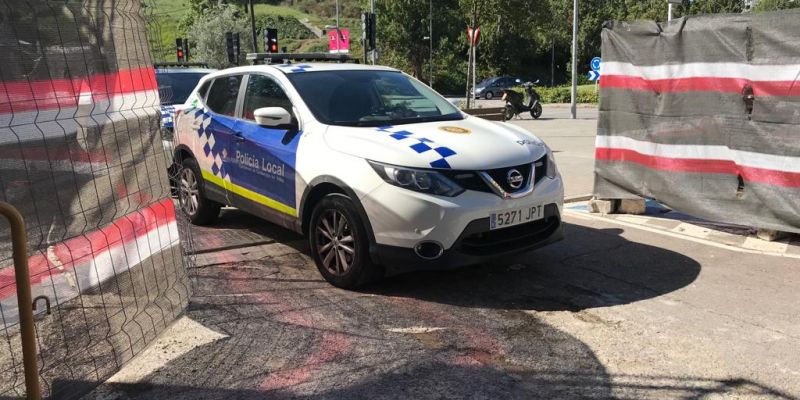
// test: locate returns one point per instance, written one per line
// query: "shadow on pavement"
(590, 268)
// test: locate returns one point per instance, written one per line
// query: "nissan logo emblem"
(514, 178)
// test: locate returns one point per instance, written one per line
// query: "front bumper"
(401, 219)
(477, 244)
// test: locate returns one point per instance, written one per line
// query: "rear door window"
(223, 94)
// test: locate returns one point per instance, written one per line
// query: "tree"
(208, 33)
(775, 5)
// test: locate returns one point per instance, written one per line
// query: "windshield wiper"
(449, 117)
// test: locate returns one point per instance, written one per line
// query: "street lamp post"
(430, 41)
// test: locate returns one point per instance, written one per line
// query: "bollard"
(21, 273)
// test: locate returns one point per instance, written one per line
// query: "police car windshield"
(175, 87)
(370, 98)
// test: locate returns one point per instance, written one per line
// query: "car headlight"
(418, 180)
(552, 171)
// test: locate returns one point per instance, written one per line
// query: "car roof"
(184, 70)
(300, 67)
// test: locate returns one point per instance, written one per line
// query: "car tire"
(488, 96)
(191, 194)
(339, 243)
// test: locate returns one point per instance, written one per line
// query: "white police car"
(383, 174)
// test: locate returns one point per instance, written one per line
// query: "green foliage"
(288, 27)
(775, 5)
(208, 34)
(563, 94)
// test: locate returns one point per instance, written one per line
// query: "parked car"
(175, 83)
(381, 173)
(490, 88)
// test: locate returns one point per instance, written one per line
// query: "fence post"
(25, 305)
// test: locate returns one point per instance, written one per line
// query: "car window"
(263, 91)
(175, 88)
(370, 98)
(222, 96)
(203, 89)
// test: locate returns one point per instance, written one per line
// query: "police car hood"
(469, 144)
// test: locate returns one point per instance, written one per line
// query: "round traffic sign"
(596, 63)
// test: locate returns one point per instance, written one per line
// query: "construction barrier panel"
(703, 115)
(82, 157)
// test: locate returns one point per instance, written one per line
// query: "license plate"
(517, 216)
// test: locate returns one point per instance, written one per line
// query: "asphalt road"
(616, 310)
(610, 312)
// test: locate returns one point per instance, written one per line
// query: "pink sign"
(339, 40)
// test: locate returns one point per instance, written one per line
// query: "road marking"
(692, 230)
(182, 337)
(415, 329)
(592, 217)
(763, 245)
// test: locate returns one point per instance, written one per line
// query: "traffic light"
(186, 49)
(232, 47)
(271, 40)
(229, 47)
(179, 50)
(236, 47)
(368, 31)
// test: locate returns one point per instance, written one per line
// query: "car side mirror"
(272, 116)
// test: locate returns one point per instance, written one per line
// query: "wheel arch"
(182, 152)
(322, 186)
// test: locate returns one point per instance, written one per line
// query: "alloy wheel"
(335, 242)
(189, 192)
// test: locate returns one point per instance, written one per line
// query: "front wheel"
(339, 243)
(489, 95)
(536, 111)
(508, 113)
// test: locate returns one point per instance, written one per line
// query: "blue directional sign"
(594, 75)
(596, 64)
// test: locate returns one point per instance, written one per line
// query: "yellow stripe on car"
(249, 194)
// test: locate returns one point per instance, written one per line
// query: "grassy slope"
(167, 14)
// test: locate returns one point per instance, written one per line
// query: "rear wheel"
(191, 193)
(339, 243)
(508, 113)
(536, 111)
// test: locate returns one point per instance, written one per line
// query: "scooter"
(514, 106)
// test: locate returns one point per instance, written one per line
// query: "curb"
(577, 198)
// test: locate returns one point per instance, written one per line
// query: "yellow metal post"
(28, 336)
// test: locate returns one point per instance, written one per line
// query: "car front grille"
(471, 180)
(478, 240)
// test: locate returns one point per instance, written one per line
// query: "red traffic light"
(274, 48)
(180, 54)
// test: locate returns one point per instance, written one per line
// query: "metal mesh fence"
(83, 158)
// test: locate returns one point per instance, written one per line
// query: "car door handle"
(238, 137)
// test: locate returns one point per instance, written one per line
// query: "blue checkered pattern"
(167, 116)
(295, 68)
(214, 152)
(422, 145)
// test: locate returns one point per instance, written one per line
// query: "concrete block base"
(771, 235)
(602, 206)
(631, 206)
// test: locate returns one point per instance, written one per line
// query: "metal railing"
(25, 303)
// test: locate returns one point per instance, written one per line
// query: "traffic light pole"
(253, 26)
(574, 94)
